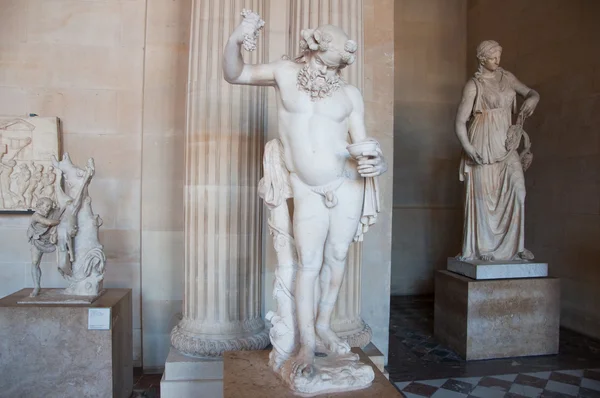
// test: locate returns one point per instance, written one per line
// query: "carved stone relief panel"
(27, 145)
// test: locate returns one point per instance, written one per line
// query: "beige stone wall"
(430, 42)
(552, 46)
(378, 95)
(115, 73)
(163, 173)
(83, 62)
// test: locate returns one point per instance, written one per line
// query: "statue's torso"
(314, 133)
(492, 116)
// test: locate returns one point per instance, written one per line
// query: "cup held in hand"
(357, 149)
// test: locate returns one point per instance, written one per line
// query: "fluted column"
(348, 15)
(223, 152)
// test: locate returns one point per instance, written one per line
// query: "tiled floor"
(145, 385)
(421, 367)
(568, 383)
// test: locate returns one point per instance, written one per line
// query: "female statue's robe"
(494, 191)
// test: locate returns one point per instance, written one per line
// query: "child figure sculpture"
(42, 237)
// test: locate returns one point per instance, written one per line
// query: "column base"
(486, 319)
(196, 345)
(358, 337)
(187, 377)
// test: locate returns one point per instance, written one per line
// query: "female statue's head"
(488, 54)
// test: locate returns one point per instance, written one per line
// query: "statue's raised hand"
(247, 32)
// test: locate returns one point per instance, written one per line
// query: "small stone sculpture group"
(69, 227)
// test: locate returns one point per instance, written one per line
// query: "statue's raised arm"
(235, 70)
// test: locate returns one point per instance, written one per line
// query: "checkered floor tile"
(584, 383)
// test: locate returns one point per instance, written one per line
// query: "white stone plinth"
(377, 358)
(476, 269)
(187, 377)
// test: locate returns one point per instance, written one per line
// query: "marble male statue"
(318, 113)
(491, 167)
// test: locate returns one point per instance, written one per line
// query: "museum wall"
(115, 73)
(163, 174)
(378, 94)
(430, 71)
(551, 46)
(84, 63)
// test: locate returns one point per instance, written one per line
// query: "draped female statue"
(491, 166)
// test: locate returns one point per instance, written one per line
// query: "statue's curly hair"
(317, 40)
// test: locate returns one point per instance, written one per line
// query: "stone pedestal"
(47, 350)
(247, 375)
(485, 319)
(476, 269)
(186, 376)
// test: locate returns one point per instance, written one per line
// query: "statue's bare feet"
(331, 341)
(35, 292)
(526, 255)
(303, 362)
(487, 257)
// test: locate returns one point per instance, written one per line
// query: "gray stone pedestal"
(47, 350)
(485, 319)
(189, 377)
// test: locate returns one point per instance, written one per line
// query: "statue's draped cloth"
(494, 191)
(43, 237)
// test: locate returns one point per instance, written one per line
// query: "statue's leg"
(36, 272)
(310, 225)
(344, 219)
(27, 195)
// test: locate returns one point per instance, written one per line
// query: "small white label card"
(98, 318)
